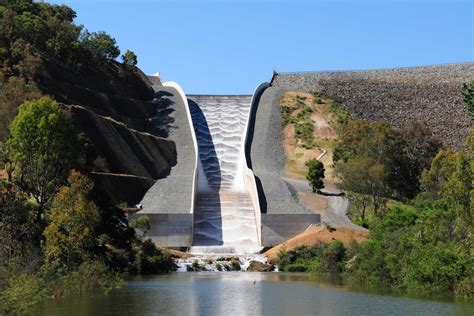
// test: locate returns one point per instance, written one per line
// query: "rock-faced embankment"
(401, 96)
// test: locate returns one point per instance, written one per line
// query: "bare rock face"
(400, 96)
(126, 151)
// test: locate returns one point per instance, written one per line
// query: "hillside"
(431, 95)
(113, 107)
(112, 104)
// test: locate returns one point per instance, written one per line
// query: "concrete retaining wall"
(278, 228)
(171, 230)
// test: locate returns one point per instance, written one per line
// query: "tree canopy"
(403, 154)
(315, 174)
(50, 29)
(129, 58)
(43, 146)
(70, 236)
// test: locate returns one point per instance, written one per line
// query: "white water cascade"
(224, 215)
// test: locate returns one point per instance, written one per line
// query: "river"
(244, 293)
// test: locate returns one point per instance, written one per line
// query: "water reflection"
(245, 294)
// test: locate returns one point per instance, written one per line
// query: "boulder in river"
(257, 266)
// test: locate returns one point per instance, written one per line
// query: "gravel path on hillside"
(335, 214)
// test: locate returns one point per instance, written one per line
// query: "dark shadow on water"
(208, 213)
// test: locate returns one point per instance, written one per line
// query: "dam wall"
(430, 95)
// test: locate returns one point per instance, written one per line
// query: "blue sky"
(229, 47)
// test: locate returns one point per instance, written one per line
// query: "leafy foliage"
(43, 146)
(23, 291)
(428, 246)
(100, 45)
(468, 94)
(129, 58)
(414, 249)
(18, 230)
(322, 258)
(50, 29)
(403, 154)
(315, 174)
(69, 238)
(149, 259)
(367, 178)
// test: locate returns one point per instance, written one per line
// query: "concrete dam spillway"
(224, 214)
(227, 192)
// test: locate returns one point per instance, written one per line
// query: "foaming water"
(219, 262)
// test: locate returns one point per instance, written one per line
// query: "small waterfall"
(224, 218)
(221, 263)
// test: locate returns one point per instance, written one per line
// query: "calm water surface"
(234, 293)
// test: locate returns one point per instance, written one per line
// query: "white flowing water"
(214, 263)
(224, 218)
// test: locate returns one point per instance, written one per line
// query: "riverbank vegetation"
(416, 197)
(57, 237)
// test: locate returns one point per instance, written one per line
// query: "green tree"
(468, 94)
(129, 58)
(404, 154)
(364, 176)
(434, 179)
(315, 174)
(70, 237)
(100, 45)
(44, 146)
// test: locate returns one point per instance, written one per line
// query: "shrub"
(142, 223)
(315, 174)
(285, 112)
(91, 275)
(129, 58)
(468, 93)
(321, 258)
(23, 291)
(152, 260)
